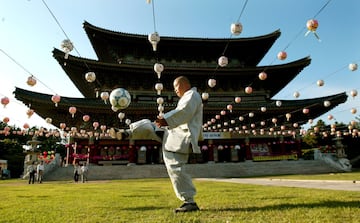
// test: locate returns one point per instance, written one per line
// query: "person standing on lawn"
(184, 129)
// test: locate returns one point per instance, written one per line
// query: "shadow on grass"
(145, 208)
(325, 204)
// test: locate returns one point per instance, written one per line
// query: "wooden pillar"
(132, 153)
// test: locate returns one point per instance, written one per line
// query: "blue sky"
(29, 33)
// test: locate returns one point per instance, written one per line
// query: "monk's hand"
(160, 121)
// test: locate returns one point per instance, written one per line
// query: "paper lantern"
(5, 101)
(353, 93)
(205, 96)
(248, 90)
(103, 128)
(278, 103)
(95, 125)
(6, 120)
(26, 126)
(305, 110)
(262, 76)
(67, 46)
(104, 96)
(263, 109)
(353, 66)
(90, 77)
(320, 83)
(296, 94)
(158, 68)
(236, 28)
(29, 113)
(86, 118)
(251, 114)
(159, 87)
(72, 111)
(229, 107)
(312, 26)
(212, 83)
(282, 55)
(56, 99)
(237, 100)
(327, 103)
(353, 110)
(288, 116)
(31, 81)
(121, 116)
(48, 120)
(62, 126)
(223, 61)
(330, 117)
(127, 121)
(160, 100)
(154, 39)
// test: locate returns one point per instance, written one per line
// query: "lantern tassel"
(317, 36)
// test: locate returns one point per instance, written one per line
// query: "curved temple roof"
(109, 76)
(112, 47)
(99, 111)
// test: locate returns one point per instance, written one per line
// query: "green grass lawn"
(153, 200)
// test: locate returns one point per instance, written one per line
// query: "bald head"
(181, 85)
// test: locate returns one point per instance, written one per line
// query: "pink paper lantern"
(6, 119)
(56, 99)
(229, 107)
(262, 76)
(5, 101)
(62, 126)
(26, 126)
(86, 118)
(248, 90)
(95, 125)
(72, 111)
(282, 55)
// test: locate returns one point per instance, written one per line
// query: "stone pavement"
(346, 185)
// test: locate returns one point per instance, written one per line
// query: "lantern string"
(299, 33)
(26, 70)
(287, 46)
(153, 12)
(322, 8)
(238, 20)
(58, 23)
(228, 42)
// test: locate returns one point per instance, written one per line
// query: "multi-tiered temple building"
(259, 124)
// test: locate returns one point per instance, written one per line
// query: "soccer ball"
(119, 99)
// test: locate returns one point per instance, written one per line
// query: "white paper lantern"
(158, 68)
(236, 28)
(90, 77)
(223, 61)
(212, 83)
(320, 83)
(154, 39)
(353, 66)
(205, 96)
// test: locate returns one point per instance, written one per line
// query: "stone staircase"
(207, 170)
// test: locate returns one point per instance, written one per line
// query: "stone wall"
(209, 170)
